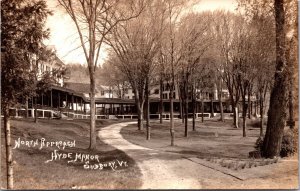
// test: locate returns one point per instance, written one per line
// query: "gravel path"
(163, 170)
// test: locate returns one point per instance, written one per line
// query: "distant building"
(49, 67)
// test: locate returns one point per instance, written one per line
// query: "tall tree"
(279, 95)
(225, 31)
(135, 44)
(291, 53)
(216, 65)
(204, 79)
(94, 19)
(172, 52)
(263, 54)
(245, 70)
(22, 31)
(195, 40)
(286, 24)
(162, 75)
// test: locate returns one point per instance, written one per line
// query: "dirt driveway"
(164, 170)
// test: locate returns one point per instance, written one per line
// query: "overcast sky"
(65, 39)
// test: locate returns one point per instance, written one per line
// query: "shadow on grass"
(31, 171)
(217, 139)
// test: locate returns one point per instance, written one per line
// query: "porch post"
(76, 107)
(42, 100)
(58, 100)
(66, 101)
(72, 106)
(84, 109)
(51, 97)
(96, 109)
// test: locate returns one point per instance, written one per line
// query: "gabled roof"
(81, 87)
(58, 62)
(69, 91)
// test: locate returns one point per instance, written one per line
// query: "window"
(173, 95)
(224, 95)
(168, 87)
(156, 91)
(102, 93)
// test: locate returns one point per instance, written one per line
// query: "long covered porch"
(61, 101)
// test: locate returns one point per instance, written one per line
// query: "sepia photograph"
(149, 94)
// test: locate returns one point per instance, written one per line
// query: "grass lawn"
(31, 171)
(211, 138)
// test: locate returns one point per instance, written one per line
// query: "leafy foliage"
(287, 145)
(259, 143)
(22, 31)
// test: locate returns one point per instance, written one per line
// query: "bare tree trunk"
(147, 109)
(140, 117)
(255, 108)
(202, 110)
(186, 117)
(194, 107)
(35, 110)
(93, 117)
(9, 160)
(244, 126)
(140, 102)
(261, 105)
(181, 103)
(212, 108)
(220, 101)
(291, 105)
(221, 107)
(181, 109)
(186, 105)
(249, 103)
(290, 65)
(236, 116)
(26, 108)
(291, 94)
(140, 108)
(279, 95)
(244, 116)
(161, 101)
(172, 131)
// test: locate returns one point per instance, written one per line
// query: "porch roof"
(68, 91)
(113, 101)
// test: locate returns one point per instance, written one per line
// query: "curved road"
(163, 170)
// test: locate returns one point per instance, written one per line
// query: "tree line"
(243, 51)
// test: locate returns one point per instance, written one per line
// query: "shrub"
(259, 143)
(288, 146)
(296, 134)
